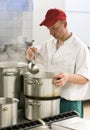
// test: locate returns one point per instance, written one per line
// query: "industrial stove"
(47, 123)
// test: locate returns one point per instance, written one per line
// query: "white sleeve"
(83, 62)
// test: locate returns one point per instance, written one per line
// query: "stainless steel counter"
(75, 123)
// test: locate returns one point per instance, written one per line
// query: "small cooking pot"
(8, 111)
(40, 85)
(11, 83)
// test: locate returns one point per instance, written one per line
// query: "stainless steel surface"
(33, 68)
(75, 123)
(21, 67)
(40, 85)
(40, 75)
(11, 84)
(35, 109)
(41, 128)
(8, 111)
(10, 78)
(12, 64)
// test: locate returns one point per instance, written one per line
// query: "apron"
(66, 106)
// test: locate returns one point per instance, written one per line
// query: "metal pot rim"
(41, 75)
(13, 64)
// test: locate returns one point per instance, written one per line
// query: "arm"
(73, 78)
(77, 79)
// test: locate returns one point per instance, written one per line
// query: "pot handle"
(4, 109)
(33, 104)
(33, 81)
(42, 122)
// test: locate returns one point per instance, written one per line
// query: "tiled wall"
(15, 24)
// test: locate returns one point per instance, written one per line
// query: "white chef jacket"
(72, 57)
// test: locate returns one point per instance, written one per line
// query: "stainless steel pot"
(35, 109)
(40, 85)
(8, 111)
(21, 67)
(10, 79)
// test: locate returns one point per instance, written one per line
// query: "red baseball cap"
(52, 16)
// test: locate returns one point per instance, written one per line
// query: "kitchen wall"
(78, 13)
(12, 19)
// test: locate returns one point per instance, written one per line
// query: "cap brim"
(42, 23)
(48, 23)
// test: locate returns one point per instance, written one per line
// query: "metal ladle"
(33, 68)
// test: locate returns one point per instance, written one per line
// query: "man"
(68, 57)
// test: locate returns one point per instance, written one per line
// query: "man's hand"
(61, 79)
(30, 53)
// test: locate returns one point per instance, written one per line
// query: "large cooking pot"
(8, 111)
(11, 82)
(35, 109)
(40, 85)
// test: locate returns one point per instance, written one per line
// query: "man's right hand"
(31, 53)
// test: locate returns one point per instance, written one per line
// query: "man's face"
(58, 29)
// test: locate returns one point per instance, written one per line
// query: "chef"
(68, 57)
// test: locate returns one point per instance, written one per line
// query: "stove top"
(28, 124)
